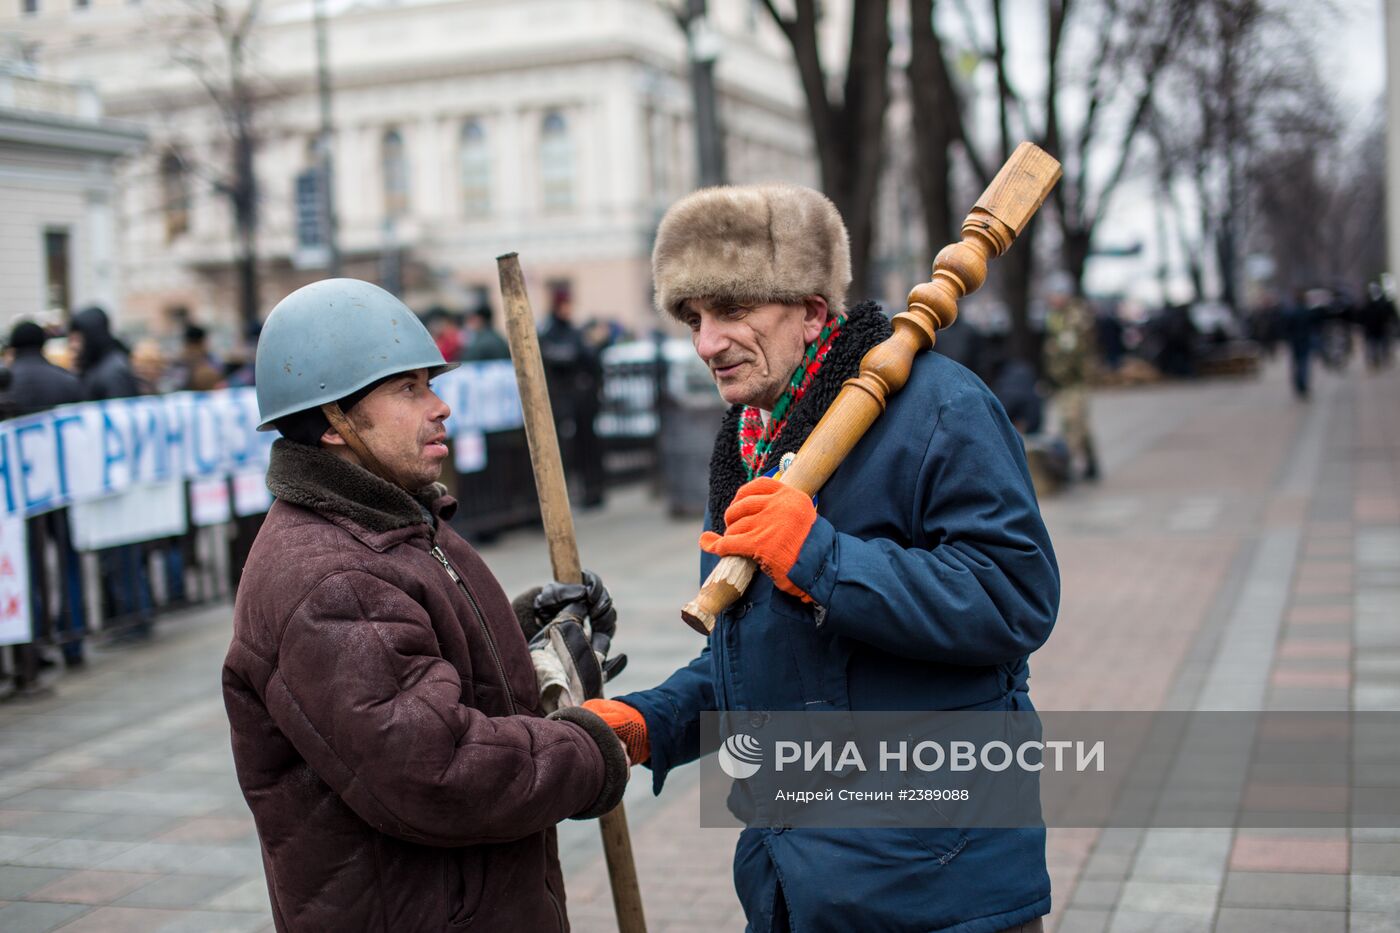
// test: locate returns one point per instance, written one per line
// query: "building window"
(557, 162)
(394, 162)
(56, 271)
(475, 166)
(30, 7)
(174, 195)
(81, 4)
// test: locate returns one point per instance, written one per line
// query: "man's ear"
(332, 438)
(814, 316)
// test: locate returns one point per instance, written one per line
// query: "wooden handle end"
(1021, 186)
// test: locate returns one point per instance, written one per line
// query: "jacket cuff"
(615, 767)
(814, 572)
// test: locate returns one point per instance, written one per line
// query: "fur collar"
(865, 327)
(314, 479)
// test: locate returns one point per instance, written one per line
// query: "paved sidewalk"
(1243, 551)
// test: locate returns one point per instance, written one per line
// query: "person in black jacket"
(575, 379)
(37, 385)
(103, 361)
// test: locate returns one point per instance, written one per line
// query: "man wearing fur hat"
(921, 579)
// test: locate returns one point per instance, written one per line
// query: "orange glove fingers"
(768, 523)
(627, 723)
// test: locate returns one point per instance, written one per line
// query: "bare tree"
(1247, 126)
(1104, 56)
(848, 126)
(214, 44)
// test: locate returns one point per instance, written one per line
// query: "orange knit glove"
(629, 725)
(767, 522)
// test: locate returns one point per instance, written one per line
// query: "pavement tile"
(119, 920)
(1082, 920)
(1377, 858)
(1094, 893)
(1362, 922)
(92, 887)
(73, 853)
(1169, 897)
(18, 880)
(210, 829)
(208, 921)
(37, 916)
(14, 846)
(1136, 921)
(1253, 920)
(1285, 889)
(250, 895)
(179, 891)
(1375, 893)
(1254, 851)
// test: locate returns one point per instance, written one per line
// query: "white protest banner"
(16, 627)
(80, 453)
(137, 513)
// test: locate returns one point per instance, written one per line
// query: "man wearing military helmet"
(388, 728)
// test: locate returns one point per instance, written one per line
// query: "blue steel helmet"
(331, 338)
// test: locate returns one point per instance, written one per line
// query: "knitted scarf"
(865, 327)
(756, 438)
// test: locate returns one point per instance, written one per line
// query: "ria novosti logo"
(740, 756)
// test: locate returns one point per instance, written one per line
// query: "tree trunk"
(937, 125)
(849, 135)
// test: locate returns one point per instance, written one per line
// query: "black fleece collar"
(865, 327)
(314, 479)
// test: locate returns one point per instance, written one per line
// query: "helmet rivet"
(323, 385)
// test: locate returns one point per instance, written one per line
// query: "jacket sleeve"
(360, 689)
(672, 713)
(985, 588)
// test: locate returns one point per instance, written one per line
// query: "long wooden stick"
(563, 547)
(959, 269)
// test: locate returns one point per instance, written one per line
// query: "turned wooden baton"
(563, 547)
(996, 220)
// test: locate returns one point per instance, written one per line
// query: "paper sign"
(15, 624)
(209, 502)
(469, 448)
(250, 493)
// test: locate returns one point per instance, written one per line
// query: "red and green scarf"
(756, 439)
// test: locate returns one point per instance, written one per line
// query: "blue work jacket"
(932, 579)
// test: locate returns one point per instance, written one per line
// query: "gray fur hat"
(751, 244)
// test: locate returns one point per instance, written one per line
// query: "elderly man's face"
(753, 351)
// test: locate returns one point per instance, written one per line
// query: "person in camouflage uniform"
(1069, 364)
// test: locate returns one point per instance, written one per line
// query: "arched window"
(394, 162)
(174, 195)
(475, 167)
(557, 162)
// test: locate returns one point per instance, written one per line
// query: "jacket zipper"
(490, 639)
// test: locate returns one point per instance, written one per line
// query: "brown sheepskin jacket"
(385, 719)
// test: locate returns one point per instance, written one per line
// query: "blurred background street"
(1242, 551)
(1195, 338)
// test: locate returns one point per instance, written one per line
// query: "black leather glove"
(588, 602)
(569, 627)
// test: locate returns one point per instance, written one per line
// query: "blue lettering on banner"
(113, 450)
(172, 417)
(200, 411)
(61, 421)
(26, 466)
(5, 471)
(141, 412)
